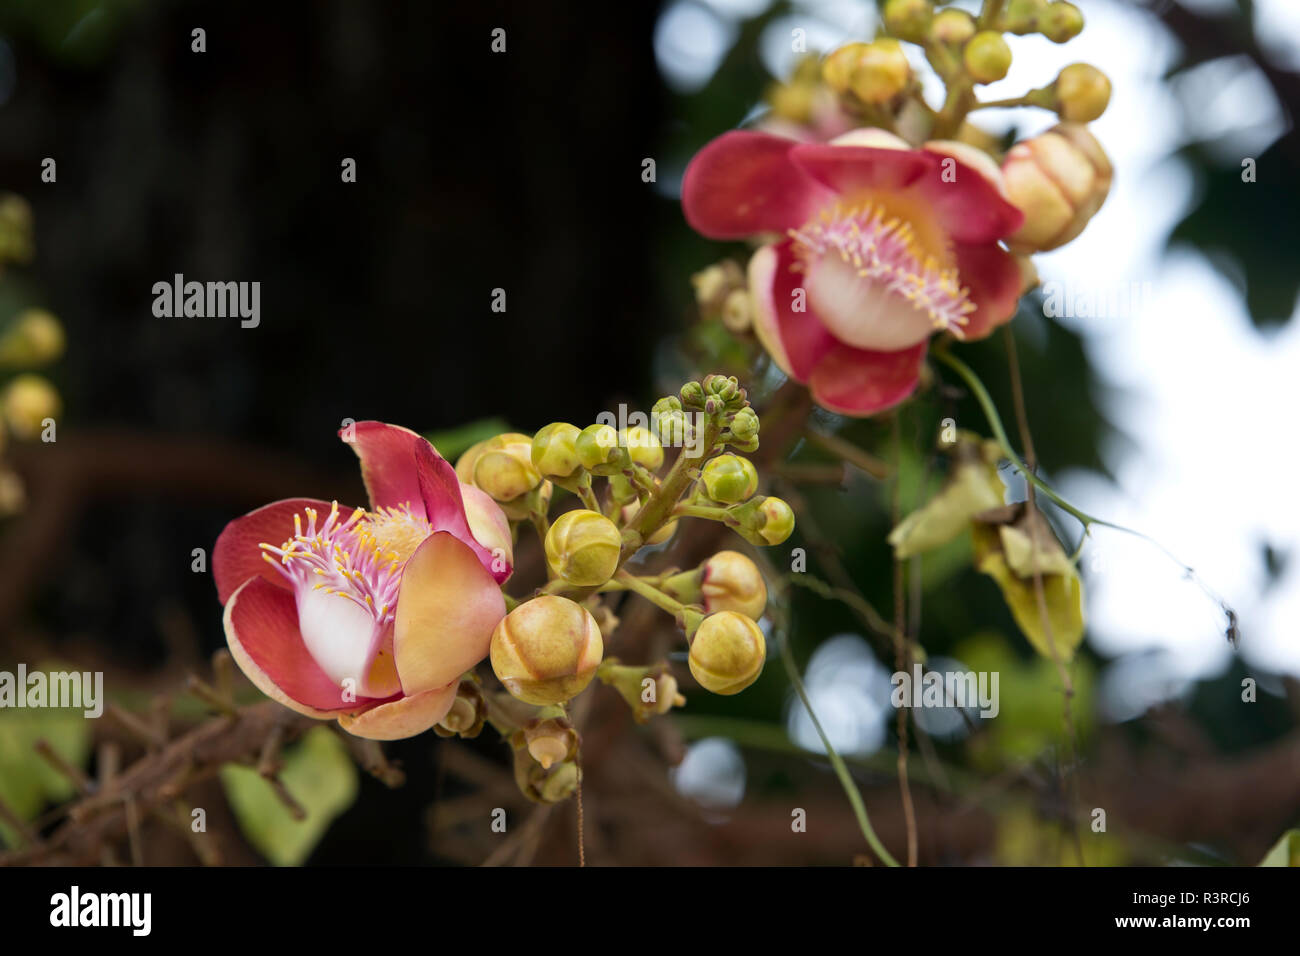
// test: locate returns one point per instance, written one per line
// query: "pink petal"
(404, 717)
(447, 608)
(796, 340)
(261, 623)
(440, 490)
(994, 282)
(971, 208)
(237, 557)
(743, 183)
(855, 169)
(387, 454)
(860, 382)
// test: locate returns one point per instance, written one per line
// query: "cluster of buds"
(30, 338)
(722, 292)
(634, 485)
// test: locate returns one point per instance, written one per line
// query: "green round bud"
(667, 405)
(727, 652)
(27, 401)
(546, 650)
(881, 73)
(34, 338)
(506, 473)
(987, 57)
(778, 520)
(838, 67)
(554, 451)
(583, 547)
(599, 451)
(1082, 93)
(1061, 23)
(643, 447)
(908, 19)
(744, 424)
(726, 387)
(692, 394)
(730, 479)
(1023, 16)
(952, 27)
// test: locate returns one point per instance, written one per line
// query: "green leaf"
(453, 442)
(1286, 852)
(318, 773)
(27, 782)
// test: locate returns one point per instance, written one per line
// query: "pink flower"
(368, 616)
(876, 247)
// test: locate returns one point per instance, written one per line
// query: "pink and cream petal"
(447, 608)
(237, 555)
(261, 624)
(489, 526)
(968, 205)
(860, 382)
(851, 171)
(387, 454)
(441, 492)
(994, 280)
(795, 339)
(401, 718)
(344, 639)
(743, 183)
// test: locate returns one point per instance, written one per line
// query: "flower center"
(872, 281)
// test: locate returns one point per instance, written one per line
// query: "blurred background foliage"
(522, 172)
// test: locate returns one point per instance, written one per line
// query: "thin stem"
(902, 652)
(650, 593)
(848, 452)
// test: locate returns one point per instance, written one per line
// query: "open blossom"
(874, 246)
(369, 615)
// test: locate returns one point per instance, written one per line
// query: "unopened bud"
(34, 338)
(554, 450)
(692, 395)
(744, 424)
(730, 479)
(582, 547)
(550, 741)
(643, 447)
(599, 450)
(1023, 16)
(952, 27)
(507, 472)
(1061, 22)
(467, 715)
(909, 19)
(731, 582)
(778, 520)
(727, 652)
(881, 72)
(28, 400)
(1082, 93)
(987, 57)
(837, 69)
(1058, 180)
(738, 311)
(546, 650)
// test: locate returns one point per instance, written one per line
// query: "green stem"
(652, 594)
(841, 770)
(656, 511)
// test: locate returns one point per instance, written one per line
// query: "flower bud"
(541, 785)
(643, 447)
(792, 101)
(727, 653)
(36, 337)
(692, 395)
(881, 71)
(714, 284)
(1082, 93)
(507, 473)
(550, 741)
(987, 57)
(15, 229)
(738, 311)
(1023, 16)
(778, 520)
(659, 537)
(599, 450)
(546, 650)
(952, 27)
(582, 547)
(731, 582)
(1058, 180)
(649, 691)
(560, 783)
(13, 497)
(730, 479)
(837, 69)
(909, 19)
(554, 450)
(28, 401)
(1061, 22)
(744, 424)
(467, 715)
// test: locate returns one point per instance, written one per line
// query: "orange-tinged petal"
(404, 717)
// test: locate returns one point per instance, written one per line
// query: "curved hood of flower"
(369, 615)
(874, 246)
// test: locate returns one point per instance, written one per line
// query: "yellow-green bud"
(730, 479)
(1082, 93)
(560, 783)
(792, 101)
(727, 652)
(554, 451)
(744, 424)
(643, 447)
(952, 27)
(36, 337)
(738, 311)
(778, 520)
(582, 547)
(660, 536)
(908, 19)
(1062, 22)
(1058, 180)
(881, 72)
(837, 69)
(506, 473)
(692, 395)
(599, 450)
(731, 582)
(1023, 16)
(28, 401)
(546, 650)
(15, 229)
(987, 57)
(467, 715)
